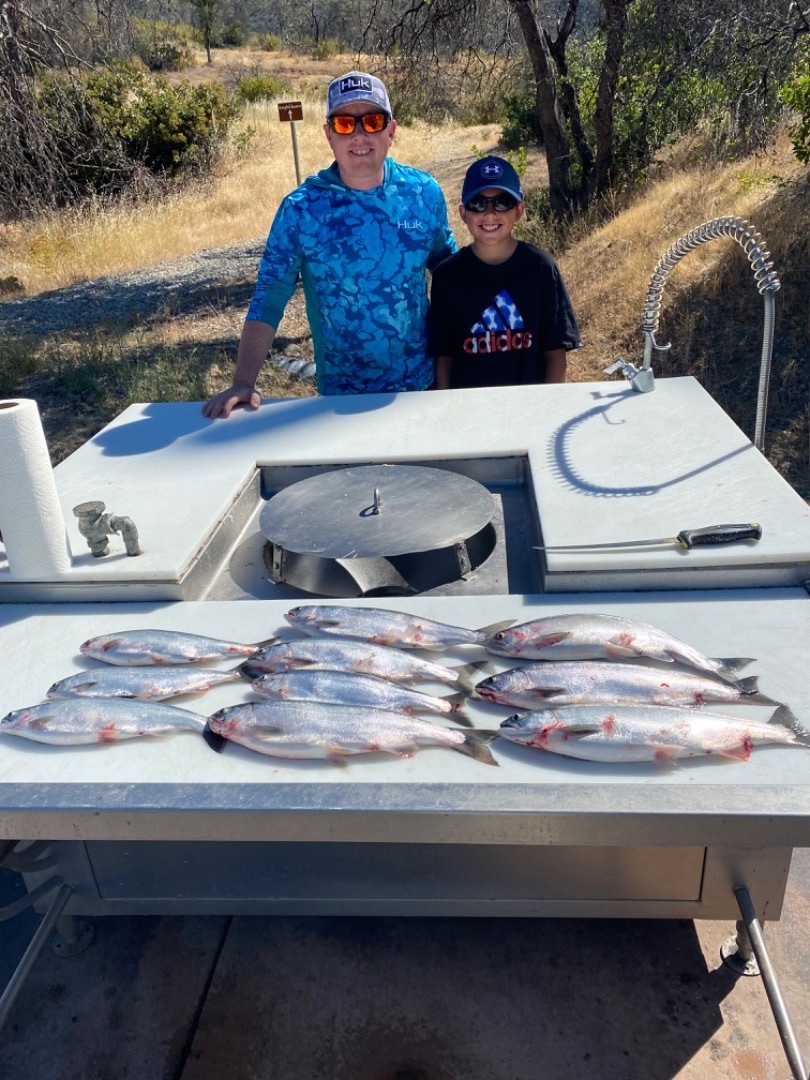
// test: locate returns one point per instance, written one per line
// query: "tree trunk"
(615, 37)
(549, 112)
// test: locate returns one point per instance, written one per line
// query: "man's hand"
(222, 403)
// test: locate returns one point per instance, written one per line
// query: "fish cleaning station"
(470, 507)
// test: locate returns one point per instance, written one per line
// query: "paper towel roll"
(31, 519)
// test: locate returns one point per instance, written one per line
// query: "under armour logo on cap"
(492, 170)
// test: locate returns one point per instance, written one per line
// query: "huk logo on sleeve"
(500, 328)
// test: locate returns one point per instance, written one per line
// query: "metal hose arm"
(764, 276)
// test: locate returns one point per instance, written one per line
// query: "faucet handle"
(641, 379)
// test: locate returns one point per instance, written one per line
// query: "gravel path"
(185, 284)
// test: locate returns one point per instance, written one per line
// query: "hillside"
(711, 311)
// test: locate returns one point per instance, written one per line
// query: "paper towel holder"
(96, 526)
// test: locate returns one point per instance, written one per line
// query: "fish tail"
(456, 703)
(750, 691)
(788, 719)
(732, 664)
(475, 746)
(266, 643)
(215, 741)
(467, 676)
(495, 628)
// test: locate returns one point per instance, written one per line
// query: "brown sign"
(290, 110)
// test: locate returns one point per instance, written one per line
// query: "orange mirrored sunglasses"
(372, 122)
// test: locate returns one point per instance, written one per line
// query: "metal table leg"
(777, 1002)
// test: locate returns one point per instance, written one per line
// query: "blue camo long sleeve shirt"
(362, 257)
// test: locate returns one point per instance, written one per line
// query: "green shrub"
(797, 97)
(326, 49)
(163, 46)
(233, 35)
(521, 126)
(253, 88)
(167, 128)
(270, 42)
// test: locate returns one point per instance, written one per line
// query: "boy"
(500, 313)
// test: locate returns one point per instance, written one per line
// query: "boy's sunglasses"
(499, 203)
(372, 122)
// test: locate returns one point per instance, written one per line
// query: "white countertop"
(607, 464)
(39, 645)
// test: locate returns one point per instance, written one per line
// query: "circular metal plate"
(332, 515)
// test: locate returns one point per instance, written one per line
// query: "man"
(361, 235)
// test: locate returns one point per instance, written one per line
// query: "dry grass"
(238, 205)
(609, 270)
(711, 311)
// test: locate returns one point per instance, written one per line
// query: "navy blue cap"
(491, 172)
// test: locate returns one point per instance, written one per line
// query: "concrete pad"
(403, 999)
(126, 1007)
(465, 999)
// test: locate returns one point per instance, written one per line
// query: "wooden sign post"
(289, 112)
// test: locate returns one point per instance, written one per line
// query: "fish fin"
(667, 755)
(749, 685)
(266, 643)
(750, 690)
(458, 716)
(739, 753)
(212, 739)
(544, 692)
(734, 663)
(79, 688)
(496, 627)
(467, 674)
(336, 757)
(475, 746)
(41, 723)
(615, 648)
(265, 732)
(456, 702)
(788, 719)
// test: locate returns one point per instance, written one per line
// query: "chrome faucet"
(767, 283)
(96, 526)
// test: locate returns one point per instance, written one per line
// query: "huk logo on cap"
(355, 82)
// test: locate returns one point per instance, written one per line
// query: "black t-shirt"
(496, 322)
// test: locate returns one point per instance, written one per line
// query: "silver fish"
(156, 683)
(138, 647)
(593, 637)
(298, 729)
(361, 657)
(643, 733)
(383, 627)
(75, 721)
(580, 682)
(348, 688)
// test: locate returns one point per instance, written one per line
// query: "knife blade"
(708, 536)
